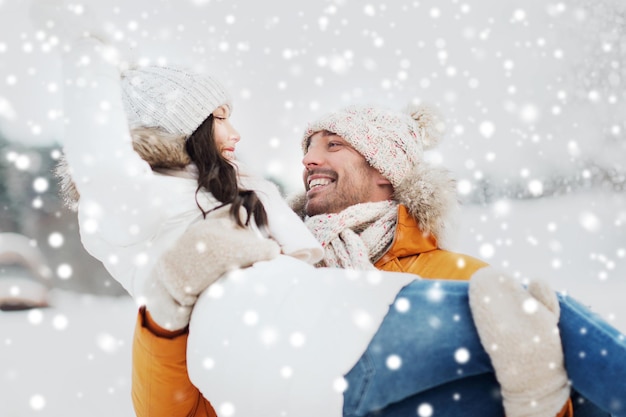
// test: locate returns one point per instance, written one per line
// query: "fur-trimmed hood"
(429, 194)
(160, 150)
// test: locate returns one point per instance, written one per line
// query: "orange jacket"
(160, 384)
(413, 252)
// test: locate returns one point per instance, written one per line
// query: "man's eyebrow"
(325, 133)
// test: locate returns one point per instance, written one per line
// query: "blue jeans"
(429, 355)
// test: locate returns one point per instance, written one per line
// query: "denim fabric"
(595, 357)
(427, 350)
(475, 396)
(471, 396)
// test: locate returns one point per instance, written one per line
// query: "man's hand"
(518, 329)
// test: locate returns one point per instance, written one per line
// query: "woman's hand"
(65, 23)
(205, 252)
(68, 21)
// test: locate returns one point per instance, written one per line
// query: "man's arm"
(160, 384)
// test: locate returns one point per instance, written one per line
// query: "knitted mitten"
(518, 329)
(67, 20)
(206, 251)
(71, 23)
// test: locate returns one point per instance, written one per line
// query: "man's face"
(336, 176)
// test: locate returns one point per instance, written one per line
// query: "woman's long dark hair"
(219, 176)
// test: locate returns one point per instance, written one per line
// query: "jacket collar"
(409, 238)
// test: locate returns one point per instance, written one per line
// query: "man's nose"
(312, 158)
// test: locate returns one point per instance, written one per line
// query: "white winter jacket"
(128, 214)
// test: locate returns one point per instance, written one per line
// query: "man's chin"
(313, 207)
(311, 210)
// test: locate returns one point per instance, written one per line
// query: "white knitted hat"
(170, 98)
(392, 142)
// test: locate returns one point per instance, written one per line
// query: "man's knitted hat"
(392, 142)
(173, 99)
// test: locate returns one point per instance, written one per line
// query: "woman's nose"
(234, 134)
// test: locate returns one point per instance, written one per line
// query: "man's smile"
(319, 182)
(316, 182)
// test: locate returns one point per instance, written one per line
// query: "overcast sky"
(526, 87)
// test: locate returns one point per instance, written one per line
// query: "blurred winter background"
(534, 97)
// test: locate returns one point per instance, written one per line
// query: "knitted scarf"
(357, 236)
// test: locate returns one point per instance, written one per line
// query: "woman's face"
(226, 136)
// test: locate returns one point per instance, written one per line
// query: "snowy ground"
(69, 360)
(74, 359)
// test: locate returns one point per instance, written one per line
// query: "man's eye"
(333, 144)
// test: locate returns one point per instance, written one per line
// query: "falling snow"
(533, 97)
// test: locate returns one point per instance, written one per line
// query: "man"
(370, 199)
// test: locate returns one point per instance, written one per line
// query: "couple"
(164, 205)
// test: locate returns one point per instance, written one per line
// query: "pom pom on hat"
(429, 122)
(173, 99)
(393, 142)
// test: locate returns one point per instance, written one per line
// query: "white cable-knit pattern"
(170, 98)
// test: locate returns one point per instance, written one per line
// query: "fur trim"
(67, 189)
(159, 149)
(429, 194)
(297, 202)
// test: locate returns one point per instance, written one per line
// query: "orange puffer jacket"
(160, 384)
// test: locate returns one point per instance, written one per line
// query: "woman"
(258, 343)
(131, 210)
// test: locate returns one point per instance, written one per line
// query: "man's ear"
(385, 186)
